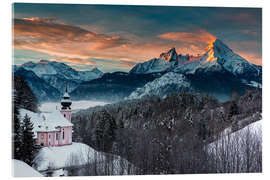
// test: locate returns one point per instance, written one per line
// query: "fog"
(76, 105)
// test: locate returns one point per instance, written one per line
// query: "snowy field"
(76, 105)
(79, 154)
(21, 169)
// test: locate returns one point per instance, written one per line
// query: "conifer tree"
(28, 145)
(234, 110)
(16, 135)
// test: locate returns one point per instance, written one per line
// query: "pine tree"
(28, 145)
(105, 131)
(234, 110)
(17, 135)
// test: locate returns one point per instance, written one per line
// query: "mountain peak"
(215, 49)
(169, 56)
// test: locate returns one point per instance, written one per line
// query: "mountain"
(42, 90)
(219, 56)
(218, 72)
(164, 63)
(168, 83)
(44, 67)
(112, 86)
(56, 75)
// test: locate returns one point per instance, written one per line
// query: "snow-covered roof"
(57, 119)
(45, 122)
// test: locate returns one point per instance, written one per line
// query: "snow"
(62, 70)
(74, 155)
(76, 105)
(253, 129)
(60, 156)
(21, 169)
(168, 83)
(152, 66)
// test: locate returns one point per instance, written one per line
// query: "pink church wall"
(50, 139)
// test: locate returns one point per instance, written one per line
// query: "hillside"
(79, 159)
(181, 124)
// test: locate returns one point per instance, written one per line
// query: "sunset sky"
(115, 38)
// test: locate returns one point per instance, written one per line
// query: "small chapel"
(54, 128)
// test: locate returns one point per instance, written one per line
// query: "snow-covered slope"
(152, 66)
(79, 154)
(21, 169)
(166, 84)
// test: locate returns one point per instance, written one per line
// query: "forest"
(185, 132)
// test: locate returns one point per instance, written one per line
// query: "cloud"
(75, 61)
(49, 36)
(198, 36)
(77, 45)
(128, 64)
(254, 32)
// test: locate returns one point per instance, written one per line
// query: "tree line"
(23, 142)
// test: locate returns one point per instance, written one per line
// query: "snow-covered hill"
(167, 84)
(79, 155)
(21, 169)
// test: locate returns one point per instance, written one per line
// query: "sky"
(115, 38)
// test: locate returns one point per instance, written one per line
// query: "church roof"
(45, 122)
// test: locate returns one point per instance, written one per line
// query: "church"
(54, 128)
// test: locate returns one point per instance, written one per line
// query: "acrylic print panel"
(135, 90)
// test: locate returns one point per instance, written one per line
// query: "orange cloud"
(58, 38)
(78, 45)
(196, 37)
(75, 61)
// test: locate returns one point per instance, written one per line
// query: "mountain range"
(48, 79)
(218, 72)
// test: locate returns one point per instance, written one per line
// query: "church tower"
(66, 103)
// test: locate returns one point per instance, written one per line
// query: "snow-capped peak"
(219, 54)
(215, 49)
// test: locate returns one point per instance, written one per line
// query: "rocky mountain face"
(48, 79)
